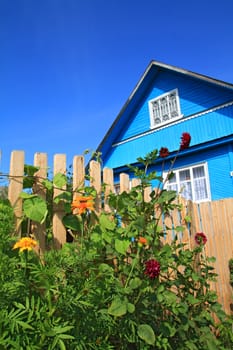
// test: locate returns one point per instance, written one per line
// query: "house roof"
(147, 77)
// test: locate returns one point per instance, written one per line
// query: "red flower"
(152, 268)
(200, 238)
(164, 152)
(185, 140)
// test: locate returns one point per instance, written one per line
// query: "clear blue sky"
(68, 66)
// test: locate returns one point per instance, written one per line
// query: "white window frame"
(163, 107)
(191, 181)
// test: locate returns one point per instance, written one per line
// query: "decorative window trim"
(164, 109)
(178, 184)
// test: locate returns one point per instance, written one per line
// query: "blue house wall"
(204, 128)
(220, 179)
(195, 96)
(207, 115)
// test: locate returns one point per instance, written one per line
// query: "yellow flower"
(25, 243)
(82, 204)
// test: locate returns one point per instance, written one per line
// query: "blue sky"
(68, 66)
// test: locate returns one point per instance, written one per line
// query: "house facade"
(166, 102)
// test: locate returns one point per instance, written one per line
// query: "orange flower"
(82, 204)
(142, 240)
(25, 243)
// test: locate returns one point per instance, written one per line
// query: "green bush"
(6, 218)
(116, 286)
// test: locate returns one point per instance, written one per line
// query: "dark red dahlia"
(185, 140)
(152, 268)
(200, 238)
(164, 152)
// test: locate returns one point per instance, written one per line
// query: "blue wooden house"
(166, 102)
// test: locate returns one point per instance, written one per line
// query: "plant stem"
(132, 268)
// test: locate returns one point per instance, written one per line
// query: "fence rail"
(213, 218)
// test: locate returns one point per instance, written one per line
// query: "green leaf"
(47, 184)
(35, 208)
(130, 308)
(29, 179)
(121, 246)
(72, 222)
(60, 180)
(187, 219)
(192, 300)
(96, 237)
(167, 329)
(59, 330)
(189, 345)
(135, 283)
(106, 223)
(210, 259)
(167, 196)
(146, 333)
(170, 297)
(61, 345)
(28, 182)
(179, 228)
(30, 169)
(105, 268)
(24, 325)
(26, 195)
(118, 307)
(64, 196)
(107, 236)
(195, 277)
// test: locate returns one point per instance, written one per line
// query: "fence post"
(16, 185)
(59, 231)
(39, 230)
(109, 187)
(124, 182)
(78, 174)
(95, 181)
(135, 182)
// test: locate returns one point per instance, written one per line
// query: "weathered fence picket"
(213, 218)
(39, 230)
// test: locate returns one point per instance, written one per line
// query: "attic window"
(164, 108)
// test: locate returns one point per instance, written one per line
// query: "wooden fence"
(214, 218)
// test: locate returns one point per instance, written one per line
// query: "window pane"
(164, 109)
(200, 189)
(172, 187)
(173, 105)
(186, 190)
(198, 172)
(184, 175)
(173, 179)
(155, 108)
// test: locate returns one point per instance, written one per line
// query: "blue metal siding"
(195, 96)
(202, 129)
(219, 167)
(218, 164)
(221, 183)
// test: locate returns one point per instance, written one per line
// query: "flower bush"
(116, 285)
